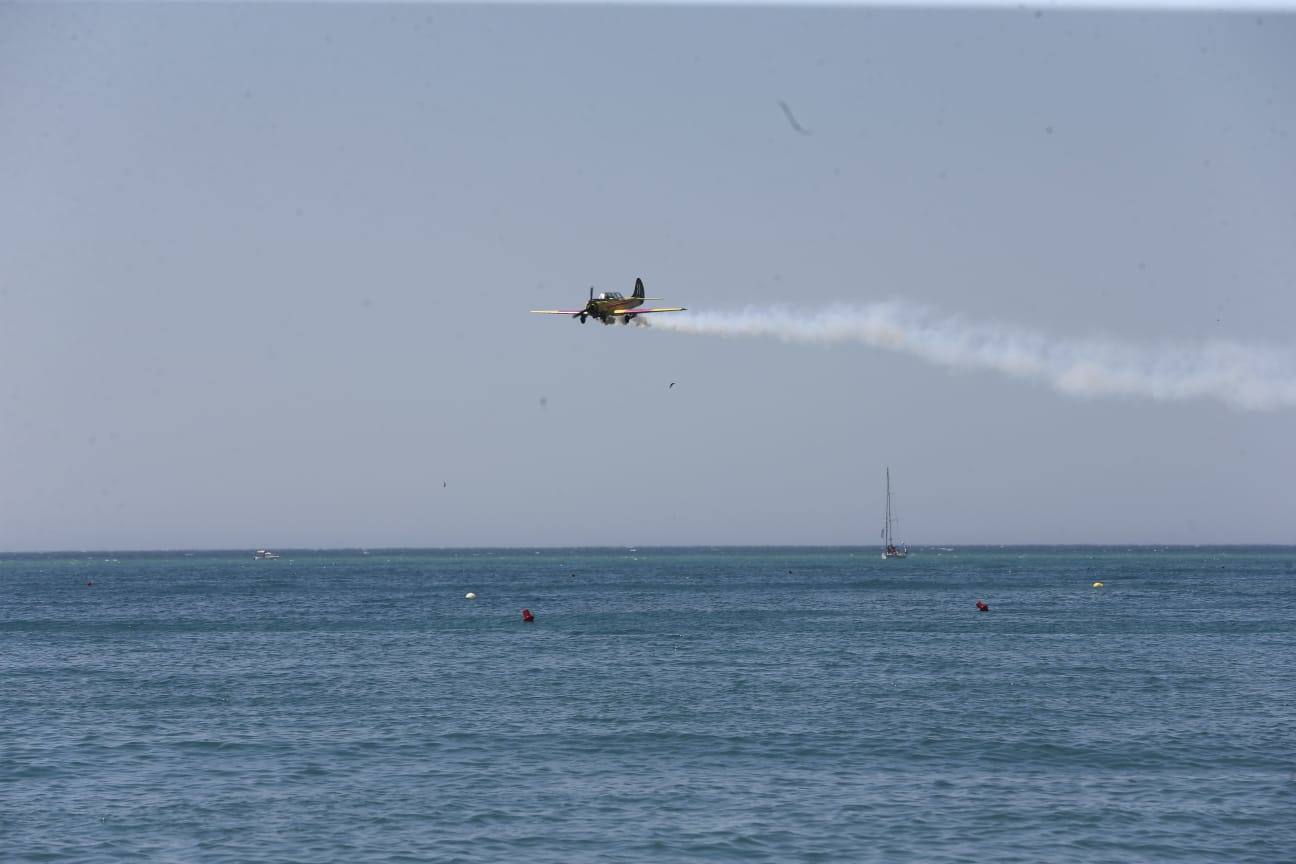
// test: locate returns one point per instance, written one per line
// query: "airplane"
(610, 305)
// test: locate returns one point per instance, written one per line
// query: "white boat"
(889, 548)
(265, 555)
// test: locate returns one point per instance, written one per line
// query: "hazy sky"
(265, 274)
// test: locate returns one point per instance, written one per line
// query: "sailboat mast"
(888, 507)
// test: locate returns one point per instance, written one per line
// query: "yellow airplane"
(610, 305)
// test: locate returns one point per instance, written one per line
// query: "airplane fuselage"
(608, 309)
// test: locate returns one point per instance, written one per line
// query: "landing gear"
(626, 319)
(582, 319)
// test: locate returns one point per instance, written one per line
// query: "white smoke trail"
(1254, 378)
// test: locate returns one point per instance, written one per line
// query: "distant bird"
(443, 484)
(672, 384)
(792, 121)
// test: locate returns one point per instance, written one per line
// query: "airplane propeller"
(589, 307)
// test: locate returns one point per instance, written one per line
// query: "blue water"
(667, 705)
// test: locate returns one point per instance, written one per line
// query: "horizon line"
(1243, 7)
(284, 550)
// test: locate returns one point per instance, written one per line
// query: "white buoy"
(470, 596)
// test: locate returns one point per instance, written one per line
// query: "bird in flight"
(792, 121)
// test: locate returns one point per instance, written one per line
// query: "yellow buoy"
(1098, 584)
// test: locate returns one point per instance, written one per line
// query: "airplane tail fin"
(639, 289)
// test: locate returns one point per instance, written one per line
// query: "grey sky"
(265, 272)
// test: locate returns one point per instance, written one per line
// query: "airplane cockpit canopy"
(612, 295)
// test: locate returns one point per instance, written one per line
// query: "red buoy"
(982, 607)
(527, 617)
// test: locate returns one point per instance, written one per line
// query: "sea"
(666, 704)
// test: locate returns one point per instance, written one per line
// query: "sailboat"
(889, 549)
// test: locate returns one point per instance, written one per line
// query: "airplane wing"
(557, 311)
(662, 309)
